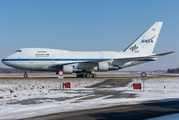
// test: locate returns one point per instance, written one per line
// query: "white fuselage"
(42, 59)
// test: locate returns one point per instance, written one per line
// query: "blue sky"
(89, 25)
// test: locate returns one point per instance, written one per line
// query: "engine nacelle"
(102, 66)
(67, 69)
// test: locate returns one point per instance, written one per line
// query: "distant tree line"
(173, 70)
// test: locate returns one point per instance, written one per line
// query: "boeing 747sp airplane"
(84, 63)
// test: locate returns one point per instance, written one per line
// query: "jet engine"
(102, 66)
(67, 69)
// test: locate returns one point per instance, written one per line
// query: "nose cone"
(9, 61)
(4, 61)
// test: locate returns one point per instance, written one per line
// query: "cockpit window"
(19, 51)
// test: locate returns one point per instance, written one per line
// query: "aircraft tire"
(87, 75)
(25, 76)
(83, 76)
(94, 75)
(78, 76)
(91, 75)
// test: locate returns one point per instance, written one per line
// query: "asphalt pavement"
(121, 112)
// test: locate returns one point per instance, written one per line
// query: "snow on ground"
(157, 84)
(31, 88)
(154, 89)
(30, 101)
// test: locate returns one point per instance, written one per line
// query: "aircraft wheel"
(94, 75)
(25, 76)
(87, 75)
(83, 76)
(78, 76)
(91, 75)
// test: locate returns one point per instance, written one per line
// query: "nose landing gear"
(25, 75)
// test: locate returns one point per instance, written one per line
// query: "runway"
(122, 112)
(99, 75)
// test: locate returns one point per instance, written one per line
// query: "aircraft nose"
(4, 61)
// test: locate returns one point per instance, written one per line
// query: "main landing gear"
(25, 75)
(86, 75)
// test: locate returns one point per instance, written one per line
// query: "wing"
(80, 64)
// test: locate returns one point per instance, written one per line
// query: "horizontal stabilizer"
(162, 54)
(146, 57)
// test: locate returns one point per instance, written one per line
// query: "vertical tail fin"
(146, 42)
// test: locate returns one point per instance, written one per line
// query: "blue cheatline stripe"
(53, 59)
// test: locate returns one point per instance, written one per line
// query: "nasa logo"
(148, 40)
